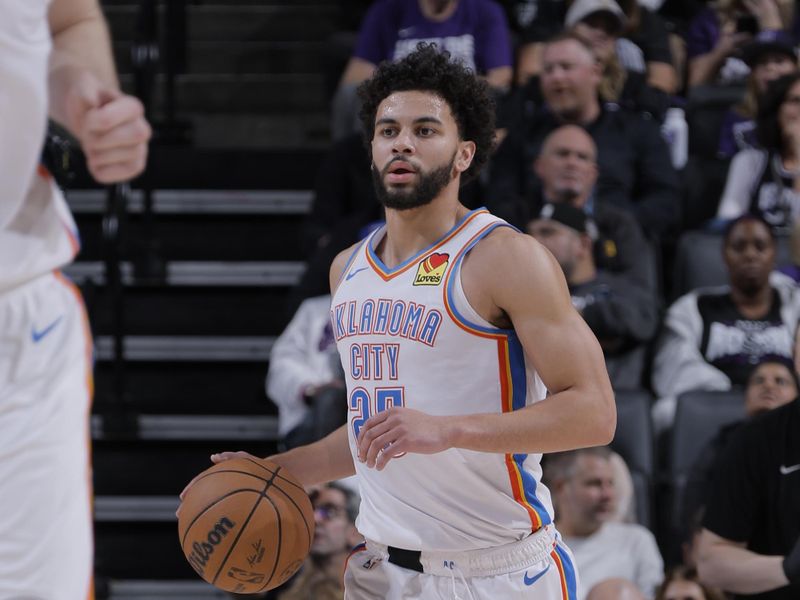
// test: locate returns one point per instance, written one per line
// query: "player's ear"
(464, 155)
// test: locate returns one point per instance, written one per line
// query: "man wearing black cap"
(621, 314)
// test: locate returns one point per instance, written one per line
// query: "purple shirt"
(476, 33)
(704, 31)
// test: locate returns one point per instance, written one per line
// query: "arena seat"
(699, 416)
(634, 442)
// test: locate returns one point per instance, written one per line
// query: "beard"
(428, 186)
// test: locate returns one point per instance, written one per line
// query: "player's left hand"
(111, 128)
(398, 430)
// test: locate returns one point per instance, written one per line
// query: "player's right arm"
(85, 96)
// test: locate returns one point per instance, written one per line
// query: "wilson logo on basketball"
(431, 270)
(201, 551)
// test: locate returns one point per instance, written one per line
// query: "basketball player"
(53, 55)
(452, 327)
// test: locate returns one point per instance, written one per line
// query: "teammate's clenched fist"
(110, 127)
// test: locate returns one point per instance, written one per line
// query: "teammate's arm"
(85, 95)
(732, 567)
(530, 290)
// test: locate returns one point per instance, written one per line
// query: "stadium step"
(146, 589)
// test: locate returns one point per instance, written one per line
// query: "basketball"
(246, 525)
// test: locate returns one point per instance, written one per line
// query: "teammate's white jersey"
(37, 233)
(407, 336)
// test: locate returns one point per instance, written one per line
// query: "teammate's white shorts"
(539, 567)
(45, 477)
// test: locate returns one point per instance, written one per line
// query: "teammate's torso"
(37, 233)
(408, 337)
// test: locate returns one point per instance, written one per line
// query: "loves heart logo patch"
(431, 269)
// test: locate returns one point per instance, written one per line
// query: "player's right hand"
(218, 458)
(110, 127)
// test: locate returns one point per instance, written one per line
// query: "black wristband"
(791, 564)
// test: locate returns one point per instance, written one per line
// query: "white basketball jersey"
(408, 337)
(37, 233)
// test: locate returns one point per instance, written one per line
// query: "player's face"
(592, 491)
(333, 528)
(750, 256)
(416, 149)
(771, 385)
(570, 78)
(567, 166)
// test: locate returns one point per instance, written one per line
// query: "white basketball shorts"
(45, 476)
(539, 567)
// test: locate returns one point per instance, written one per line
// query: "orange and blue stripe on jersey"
(387, 274)
(569, 584)
(72, 233)
(513, 384)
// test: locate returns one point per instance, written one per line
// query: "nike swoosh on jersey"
(352, 274)
(535, 578)
(37, 336)
(787, 470)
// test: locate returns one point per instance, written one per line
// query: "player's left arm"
(531, 291)
(85, 96)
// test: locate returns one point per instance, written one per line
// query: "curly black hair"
(430, 70)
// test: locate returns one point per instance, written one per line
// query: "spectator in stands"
(305, 376)
(624, 82)
(567, 169)
(770, 385)
(635, 171)
(474, 32)
(770, 55)
(621, 314)
(750, 543)
(642, 46)
(765, 181)
(583, 493)
(718, 34)
(713, 338)
(335, 535)
(682, 583)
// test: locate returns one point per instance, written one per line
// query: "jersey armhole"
(350, 260)
(458, 307)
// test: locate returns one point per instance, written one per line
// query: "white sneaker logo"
(787, 470)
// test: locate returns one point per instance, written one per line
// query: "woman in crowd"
(771, 55)
(766, 181)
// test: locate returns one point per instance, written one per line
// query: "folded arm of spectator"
(730, 566)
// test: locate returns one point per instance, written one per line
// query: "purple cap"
(766, 42)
